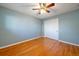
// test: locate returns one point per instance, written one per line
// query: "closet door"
(51, 28)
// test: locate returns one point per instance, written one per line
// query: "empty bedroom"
(39, 29)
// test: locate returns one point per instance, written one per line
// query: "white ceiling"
(26, 8)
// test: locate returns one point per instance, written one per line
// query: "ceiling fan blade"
(47, 11)
(44, 4)
(39, 12)
(50, 5)
(40, 4)
(35, 9)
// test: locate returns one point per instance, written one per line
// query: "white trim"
(37, 38)
(64, 41)
(19, 42)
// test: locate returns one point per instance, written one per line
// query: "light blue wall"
(69, 27)
(15, 27)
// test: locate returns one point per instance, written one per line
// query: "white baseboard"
(64, 41)
(37, 38)
(19, 42)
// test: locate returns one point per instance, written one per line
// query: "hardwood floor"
(41, 47)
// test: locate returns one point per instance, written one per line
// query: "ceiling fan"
(44, 7)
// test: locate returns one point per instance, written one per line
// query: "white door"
(51, 28)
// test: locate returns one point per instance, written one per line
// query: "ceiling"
(26, 8)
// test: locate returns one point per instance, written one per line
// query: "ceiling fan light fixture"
(42, 11)
(43, 7)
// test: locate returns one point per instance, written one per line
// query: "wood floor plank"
(42, 46)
